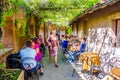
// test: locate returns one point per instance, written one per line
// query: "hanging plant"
(2, 18)
(2, 66)
(8, 12)
(11, 7)
(69, 31)
(2, 21)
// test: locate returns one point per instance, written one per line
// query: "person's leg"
(39, 69)
(56, 56)
(56, 63)
(76, 54)
(50, 52)
(70, 56)
(50, 59)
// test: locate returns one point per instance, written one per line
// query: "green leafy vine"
(21, 28)
(69, 30)
(2, 47)
(11, 7)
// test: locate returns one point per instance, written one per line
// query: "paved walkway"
(64, 72)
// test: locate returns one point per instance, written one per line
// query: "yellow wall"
(101, 21)
(32, 26)
(11, 38)
(19, 41)
(74, 29)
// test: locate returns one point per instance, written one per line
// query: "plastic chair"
(29, 63)
(64, 49)
(65, 44)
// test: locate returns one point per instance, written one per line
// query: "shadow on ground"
(64, 72)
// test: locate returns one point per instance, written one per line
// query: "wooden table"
(113, 75)
(72, 48)
(116, 73)
(88, 59)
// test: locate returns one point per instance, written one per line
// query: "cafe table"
(115, 72)
(113, 75)
(89, 59)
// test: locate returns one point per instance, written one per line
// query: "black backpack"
(14, 61)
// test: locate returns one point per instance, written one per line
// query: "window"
(116, 29)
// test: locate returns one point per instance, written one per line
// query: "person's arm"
(78, 48)
(47, 40)
(37, 50)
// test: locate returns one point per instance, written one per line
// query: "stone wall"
(32, 26)
(11, 37)
(7, 37)
(100, 30)
(101, 17)
(18, 39)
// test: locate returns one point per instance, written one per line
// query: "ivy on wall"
(12, 7)
(2, 47)
(5, 13)
(21, 27)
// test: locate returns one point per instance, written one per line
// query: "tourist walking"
(53, 45)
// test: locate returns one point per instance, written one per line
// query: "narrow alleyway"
(64, 72)
(98, 21)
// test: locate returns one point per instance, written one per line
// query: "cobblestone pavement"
(63, 72)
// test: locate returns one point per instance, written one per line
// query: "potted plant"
(10, 74)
